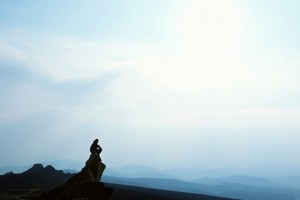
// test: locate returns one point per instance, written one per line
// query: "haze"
(167, 84)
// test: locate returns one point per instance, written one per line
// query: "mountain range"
(235, 187)
(186, 174)
(261, 183)
(13, 186)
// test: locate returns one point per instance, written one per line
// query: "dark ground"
(124, 192)
(121, 192)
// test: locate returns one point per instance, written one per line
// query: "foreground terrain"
(121, 192)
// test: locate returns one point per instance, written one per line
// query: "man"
(94, 167)
(95, 148)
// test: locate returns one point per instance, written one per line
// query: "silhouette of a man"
(95, 148)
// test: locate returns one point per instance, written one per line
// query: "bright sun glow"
(208, 44)
(211, 28)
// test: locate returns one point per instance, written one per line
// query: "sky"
(162, 83)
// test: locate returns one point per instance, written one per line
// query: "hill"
(35, 177)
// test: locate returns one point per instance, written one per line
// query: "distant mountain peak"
(50, 168)
(40, 169)
(36, 168)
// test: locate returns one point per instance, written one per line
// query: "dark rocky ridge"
(35, 177)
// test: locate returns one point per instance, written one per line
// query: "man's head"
(96, 141)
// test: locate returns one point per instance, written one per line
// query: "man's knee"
(98, 151)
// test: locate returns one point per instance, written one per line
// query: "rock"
(92, 171)
(83, 185)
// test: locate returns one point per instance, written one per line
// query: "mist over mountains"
(185, 174)
(248, 184)
(193, 174)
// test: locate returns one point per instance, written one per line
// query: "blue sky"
(205, 84)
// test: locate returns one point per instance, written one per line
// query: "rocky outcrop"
(83, 185)
(92, 171)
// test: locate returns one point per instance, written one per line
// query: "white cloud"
(9, 52)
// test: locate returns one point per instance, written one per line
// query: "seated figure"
(93, 169)
(95, 148)
(94, 162)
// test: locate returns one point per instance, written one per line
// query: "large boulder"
(85, 184)
(92, 171)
